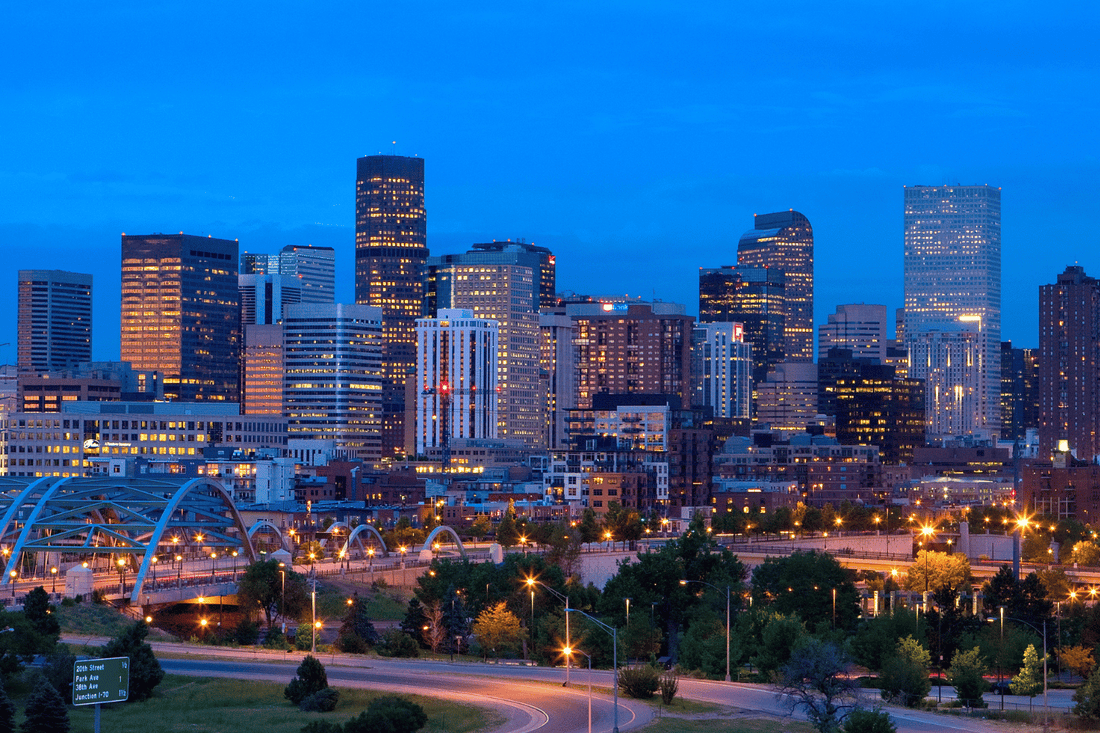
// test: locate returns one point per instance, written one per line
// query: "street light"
(1046, 707)
(282, 595)
(703, 582)
(179, 571)
(567, 651)
(121, 581)
(53, 571)
(614, 658)
(531, 582)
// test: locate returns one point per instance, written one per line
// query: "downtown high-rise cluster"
(462, 361)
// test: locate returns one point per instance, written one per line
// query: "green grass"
(89, 619)
(210, 705)
(718, 725)
(387, 604)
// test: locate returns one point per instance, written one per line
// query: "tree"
(803, 583)
(1077, 658)
(39, 612)
(816, 680)
(1025, 599)
(497, 629)
(388, 713)
(1086, 552)
(1030, 679)
(311, 678)
(45, 711)
(507, 533)
(877, 638)
(262, 588)
(480, 527)
(589, 528)
(58, 669)
(7, 712)
(862, 720)
(932, 570)
(357, 624)
(434, 631)
(145, 670)
(967, 675)
(905, 673)
(1087, 697)
(780, 635)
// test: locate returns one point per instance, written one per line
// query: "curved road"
(528, 698)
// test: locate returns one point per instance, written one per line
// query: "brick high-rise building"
(1019, 391)
(1069, 364)
(54, 320)
(180, 313)
(636, 348)
(390, 252)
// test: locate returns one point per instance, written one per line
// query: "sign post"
(98, 681)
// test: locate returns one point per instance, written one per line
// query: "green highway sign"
(101, 680)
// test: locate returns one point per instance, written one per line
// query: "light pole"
(53, 571)
(179, 571)
(614, 658)
(531, 582)
(627, 617)
(282, 595)
(703, 582)
(1046, 707)
(568, 652)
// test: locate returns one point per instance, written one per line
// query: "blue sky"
(635, 140)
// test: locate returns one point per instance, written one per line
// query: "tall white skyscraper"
(721, 363)
(313, 267)
(333, 387)
(54, 320)
(456, 378)
(859, 327)
(264, 297)
(953, 284)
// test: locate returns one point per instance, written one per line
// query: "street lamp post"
(282, 595)
(614, 659)
(531, 582)
(179, 571)
(703, 582)
(1046, 707)
(53, 571)
(568, 652)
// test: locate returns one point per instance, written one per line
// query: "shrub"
(247, 632)
(905, 673)
(67, 602)
(352, 644)
(862, 720)
(1087, 697)
(967, 674)
(670, 685)
(311, 678)
(322, 701)
(639, 682)
(58, 669)
(396, 643)
(388, 713)
(322, 726)
(276, 639)
(7, 712)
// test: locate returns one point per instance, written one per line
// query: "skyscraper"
(180, 313)
(558, 371)
(1069, 365)
(263, 370)
(314, 268)
(264, 297)
(1019, 391)
(456, 378)
(722, 369)
(390, 252)
(500, 285)
(333, 387)
(542, 260)
(859, 327)
(785, 241)
(953, 276)
(753, 297)
(54, 320)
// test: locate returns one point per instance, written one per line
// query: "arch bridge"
(123, 522)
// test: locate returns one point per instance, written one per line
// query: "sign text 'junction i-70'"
(101, 680)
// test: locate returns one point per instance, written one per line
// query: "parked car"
(1000, 688)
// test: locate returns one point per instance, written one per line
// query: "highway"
(527, 698)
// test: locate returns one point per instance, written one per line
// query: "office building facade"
(265, 297)
(786, 401)
(1019, 391)
(784, 241)
(456, 378)
(753, 297)
(949, 362)
(333, 387)
(263, 368)
(1069, 364)
(390, 253)
(313, 269)
(859, 327)
(53, 320)
(953, 276)
(180, 313)
(558, 370)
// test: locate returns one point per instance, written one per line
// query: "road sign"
(101, 680)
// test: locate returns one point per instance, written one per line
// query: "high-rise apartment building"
(787, 400)
(180, 313)
(859, 327)
(546, 269)
(1019, 391)
(948, 359)
(54, 320)
(753, 297)
(390, 252)
(637, 348)
(456, 379)
(500, 286)
(784, 241)
(314, 269)
(1069, 364)
(875, 407)
(722, 370)
(333, 386)
(953, 276)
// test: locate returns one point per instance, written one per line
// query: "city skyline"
(619, 153)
